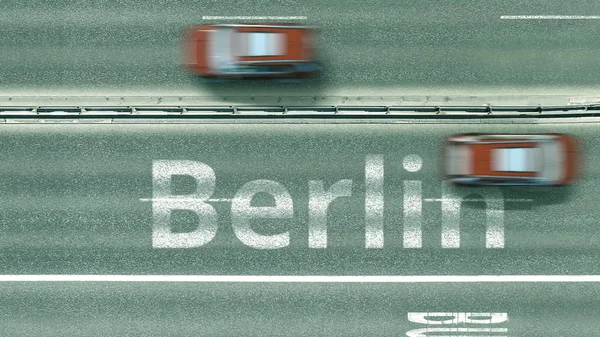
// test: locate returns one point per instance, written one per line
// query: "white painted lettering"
(242, 212)
(318, 203)
(163, 203)
(374, 201)
(451, 203)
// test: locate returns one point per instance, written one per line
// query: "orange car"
(250, 50)
(538, 159)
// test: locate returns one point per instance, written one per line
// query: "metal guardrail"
(340, 111)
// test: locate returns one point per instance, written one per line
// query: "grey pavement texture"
(387, 47)
(100, 309)
(74, 200)
(70, 194)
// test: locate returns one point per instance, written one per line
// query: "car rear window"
(262, 44)
(515, 159)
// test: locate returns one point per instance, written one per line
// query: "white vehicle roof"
(260, 44)
(226, 45)
(517, 159)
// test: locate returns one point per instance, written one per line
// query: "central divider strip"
(285, 111)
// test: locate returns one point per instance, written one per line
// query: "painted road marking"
(254, 18)
(320, 196)
(229, 200)
(445, 318)
(307, 278)
(476, 319)
(425, 332)
(184, 199)
(478, 200)
(550, 17)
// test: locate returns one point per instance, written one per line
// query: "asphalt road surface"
(386, 47)
(292, 310)
(78, 198)
(85, 199)
(88, 199)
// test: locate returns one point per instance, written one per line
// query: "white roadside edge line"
(303, 279)
(550, 17)
(254, 18)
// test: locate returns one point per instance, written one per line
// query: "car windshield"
(458, 160)
(554, 161)
(516, 159)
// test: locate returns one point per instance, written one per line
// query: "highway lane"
(78, 198)
(384, 48)
(101, 309)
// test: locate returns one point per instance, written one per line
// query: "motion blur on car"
(250, 51)
(526, 159)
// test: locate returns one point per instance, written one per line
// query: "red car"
(538, 159)
(250, 50)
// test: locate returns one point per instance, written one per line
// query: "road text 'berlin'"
(319, 199)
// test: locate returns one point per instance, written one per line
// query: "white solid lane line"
(305, 279)
(475, 200)
(254, 18)
(229, 200)
(184, 199)
(550, 17)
